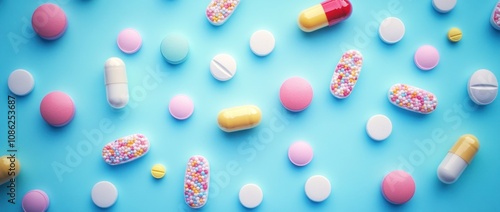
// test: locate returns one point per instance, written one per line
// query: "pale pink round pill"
(129, 41)
(181, 107)
(300, 153)
(398, 187)
(49, 21)
(426, 57)
(296, 94)
(35, 201)
(57, 109)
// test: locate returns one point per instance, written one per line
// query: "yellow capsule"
(458, 158)
(239, 118)
(327, 13)
(9, 168)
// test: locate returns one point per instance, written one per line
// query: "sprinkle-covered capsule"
(412, 98)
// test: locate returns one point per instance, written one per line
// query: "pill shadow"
(319, 206)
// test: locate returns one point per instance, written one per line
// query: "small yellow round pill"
(158, 171)
(455, 34)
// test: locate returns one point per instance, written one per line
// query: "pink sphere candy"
(300, 153)
(35, 201)
(181, 107)
(398, 187)
(296, 94)
(426, 57)
(57, 108)
(129, 41)
(49, 21)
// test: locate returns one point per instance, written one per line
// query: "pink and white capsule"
(412, 98)
(218, 11)
(346, 74)
(196, 181)
(125, 149)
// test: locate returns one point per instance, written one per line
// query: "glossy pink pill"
(57, 109)
(49, 21)
(296, 94)
(129, 41)
(426, 57)
(181, 107)
(35, 201)
(300, 153)
(398, 187)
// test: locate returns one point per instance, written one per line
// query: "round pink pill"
(300, 153)
(181, 107)
(57, 109)
(398, 187)
(426, 57)
(35, 201)
(296, 94)
(49, 21)
(129, 41)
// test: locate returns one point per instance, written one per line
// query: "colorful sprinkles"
(346, 74)
(196, 181)
(218, 11)
(412, 98)
(495, 16)
(126, 149)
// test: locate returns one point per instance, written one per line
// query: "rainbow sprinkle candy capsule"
(346, 74)
(125, 149)
(196, 181)
(218, 11)
(412, 98)
(495, 16)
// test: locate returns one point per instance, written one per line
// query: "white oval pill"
(104, 194)
(223, 67)
(379, 127)
(482, 87)
(21, 82)
(262, 42)
(115, 77)
(250, 195)
(318, 188)
(391, 30)
(444, 6)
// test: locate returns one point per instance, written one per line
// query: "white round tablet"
(379, 127)
(444, 6)
(223, 67)
(318, 188)
(391, 30)
(21, 82)
(262, 42)
(104, 194)
(250, 195)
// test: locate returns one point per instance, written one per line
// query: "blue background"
(354, 164)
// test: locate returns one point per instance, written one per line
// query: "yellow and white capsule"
(458, 158)
(239, 118)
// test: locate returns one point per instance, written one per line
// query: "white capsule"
(451, 168)
(115, 76)
(458, 158)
